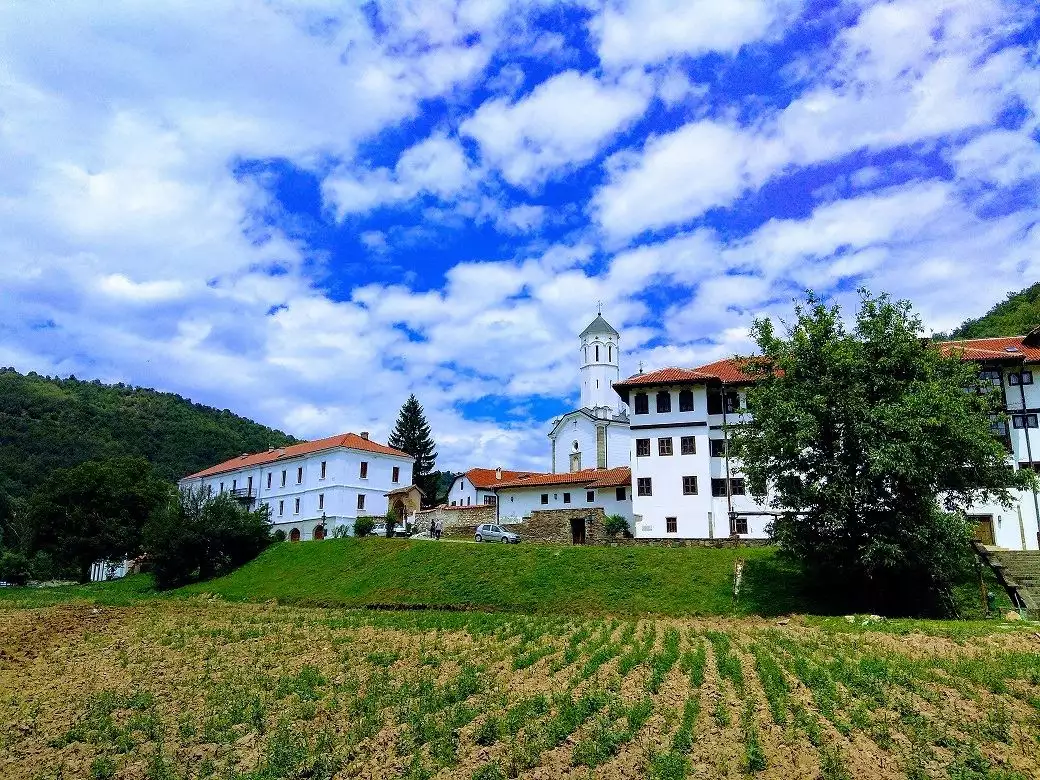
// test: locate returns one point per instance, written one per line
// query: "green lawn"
(523, 578)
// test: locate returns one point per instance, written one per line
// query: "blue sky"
(305, 211)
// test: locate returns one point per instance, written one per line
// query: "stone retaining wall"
(455, 516)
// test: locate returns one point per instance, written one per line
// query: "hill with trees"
(50, 423)
(1018, 314)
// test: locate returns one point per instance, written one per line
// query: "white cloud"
(907, 71)
(563, 122)
(1003, 157)
(647, 31)
(679, 176)
(436, 166)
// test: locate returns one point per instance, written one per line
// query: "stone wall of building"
(455, 516)
(553, 526)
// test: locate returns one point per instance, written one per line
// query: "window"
(715, 401)
(566, 498)
(396, 475)
(321, 501)
(453, 503)
(299, 475)
(1024, 421)
(222, 484)
(234, 485)
(281, 508)
(269, 475)
(642, 404)
(664, 446)
(993, 377)
(642, 448)
(590, 496)
(249, 486)
(1027, 465)
(619, 494)
(664, 402)
(360, 500)
(686, 401)
(364, 469)
(296, 506)
(644, 486)
(597, 353)
(490, 500)
(545, 498)
(283, 477)
(469, 500)
(671, 525)
(718, 488)
(717, 448)
(688, 445)
(739, 525)
(610, 353)
(689, 486)
(736, 486)
(323, 469)
(1025, 378)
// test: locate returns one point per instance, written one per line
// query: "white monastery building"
(606, 489)
(686, 485)
(314, 487)
(477, 486)
(596, 434)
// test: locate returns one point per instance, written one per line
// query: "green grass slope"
(47, 424)
(535, 579)
(527, 578)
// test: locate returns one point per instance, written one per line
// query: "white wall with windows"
(464, 493)
(678, 476)
(517, 503)
(343, 484)
(576, 445)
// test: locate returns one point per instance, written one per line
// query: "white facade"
(516, 504)
(589, 439)
(464, 493)
(678, 484)
(338, 484)
(670, 505)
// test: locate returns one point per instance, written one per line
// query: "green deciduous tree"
(412, 435)
(195, 536)
(92, 511)
(874, 441)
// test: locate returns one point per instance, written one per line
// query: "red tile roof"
(729, 370)
(615, 477)
(1005, 348)
(485, 479)
(349, 440)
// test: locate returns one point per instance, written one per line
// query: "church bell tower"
(600, 366)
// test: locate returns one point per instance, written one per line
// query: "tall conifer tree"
(412, 435)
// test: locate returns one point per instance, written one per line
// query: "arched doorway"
(319, 533)
(400, 514)
(294, 535)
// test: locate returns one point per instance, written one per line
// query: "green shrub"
(278, 536)
(614, 525)
(14, 567)
(198, 536)
(363, 526)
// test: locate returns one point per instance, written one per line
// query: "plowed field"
(202, 688)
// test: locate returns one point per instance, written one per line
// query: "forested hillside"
(1015, 316)
(52, 423)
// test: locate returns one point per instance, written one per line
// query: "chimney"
(364, 435)
(498, 473)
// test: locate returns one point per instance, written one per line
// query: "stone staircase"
(1019, 573)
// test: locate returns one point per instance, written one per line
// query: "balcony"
(244, 495)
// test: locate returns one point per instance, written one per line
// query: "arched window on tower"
(610, 353)
(597, 353)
